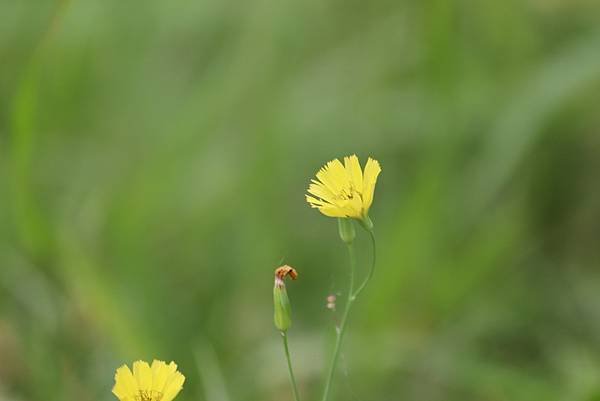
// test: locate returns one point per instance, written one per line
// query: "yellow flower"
(343, 190)
(161, 382)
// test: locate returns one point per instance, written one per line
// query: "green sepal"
(283, 309)
(366, 223)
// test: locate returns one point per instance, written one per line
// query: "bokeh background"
(153, 162)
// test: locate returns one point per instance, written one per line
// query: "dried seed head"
(285, 270)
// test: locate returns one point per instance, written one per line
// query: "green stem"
(352, 295)
(342, 329)
(289, 363)
(370, 275)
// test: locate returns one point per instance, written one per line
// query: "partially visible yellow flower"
(159, 382)
(344, 190)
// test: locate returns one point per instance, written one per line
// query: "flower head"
(159, 382)
(344, 190)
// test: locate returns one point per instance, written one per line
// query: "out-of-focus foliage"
(154, 158)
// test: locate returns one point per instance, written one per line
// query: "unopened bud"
(281, 302)
(346, 230)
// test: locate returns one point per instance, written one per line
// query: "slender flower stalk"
(283, 316)
(342, 328)
(289, 364)
(352, 296)
(373, 261)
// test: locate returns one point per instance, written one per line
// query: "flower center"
(347, 193)
(149, 395)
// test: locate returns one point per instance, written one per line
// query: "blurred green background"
(154, 158)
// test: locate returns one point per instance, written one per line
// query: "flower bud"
(346, 230)
(281, 302)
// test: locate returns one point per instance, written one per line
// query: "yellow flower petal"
(160, 374)
(173, 386)
(355, 206)
(321, 192)
(332, 211)
(327, 176)
(372, 170)
(354, 171)
(338, 174)
(125, 384)
(143, 375)
(314, 202)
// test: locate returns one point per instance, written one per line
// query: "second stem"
(342, 329)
